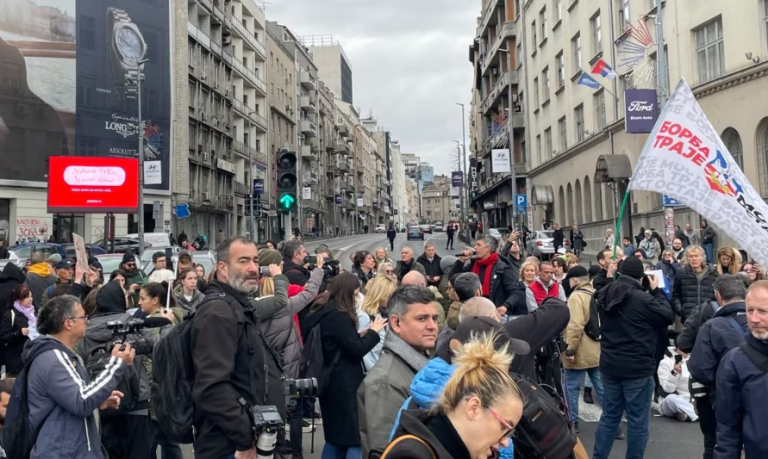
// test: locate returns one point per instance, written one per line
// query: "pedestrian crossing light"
(286, 180)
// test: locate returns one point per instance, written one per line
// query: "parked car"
(111, 261)
(123, 244)
(439, 226)
(415, 232)
(207, 258)
(24, 251)
(95, 249)
(542, 243)
(426, 228)
(380, 229)
(498, 232)
(154, 239)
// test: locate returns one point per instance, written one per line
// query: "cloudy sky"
(409, 62)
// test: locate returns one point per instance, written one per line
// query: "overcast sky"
(409, 63)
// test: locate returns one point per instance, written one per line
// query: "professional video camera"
(266, 423)
(331, 267)
(121, 330)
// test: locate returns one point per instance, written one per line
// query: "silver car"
(542, 243)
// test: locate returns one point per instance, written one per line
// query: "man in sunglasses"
(136, 277)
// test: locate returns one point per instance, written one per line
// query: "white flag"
(685, 158)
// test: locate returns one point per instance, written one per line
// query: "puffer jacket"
(63, 399)
(188, 306)
(276, 323)
(688, 292)
(426, 388)
(587, 350)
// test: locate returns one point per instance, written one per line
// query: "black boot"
(588, 396)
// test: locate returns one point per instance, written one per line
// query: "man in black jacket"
(294, 266)
(431, 263)
(557, 236)
(694, 283)
(391, 235)
(449, 232)
(723, 332)
(608, 268)
(230, 358)
(495, 272)
(633, 315)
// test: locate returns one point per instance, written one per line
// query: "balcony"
(343, 184)
(225, 202)
(309, 128)
(489, 17)
(511, 77)
(343, 165)
(241, 189)
(248, 74)
(249, 113)
(343, 130)
(342, 147)
(250, 38)
(245, 151)
(308, 152)
(307, 80)
(308, 104)
(507, 30)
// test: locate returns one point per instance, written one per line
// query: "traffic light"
(286, 180)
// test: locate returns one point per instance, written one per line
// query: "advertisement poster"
(641, 109)
(69, 83)
(85, 184)
(500, 161)
(457, 179)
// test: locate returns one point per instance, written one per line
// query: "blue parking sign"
(521, 200)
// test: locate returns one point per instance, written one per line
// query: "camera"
(266, 423)
(121, 330)
(331, 267)
(311, 259)
(300, 387)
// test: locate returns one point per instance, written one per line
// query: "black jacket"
(11, 278)
(12, 340)
(700, 315)
(296, 274)
(688, 292)
(229, 359)
(632, 320)
(558, 237)
(362, 277)
(339, 404)
(433, 268)
(680, 234)
(435, 429)
(537, 329)
(708, 235)
(502, 281)
(450, 231)
(391, 234)
(601, 280)
(716, 337)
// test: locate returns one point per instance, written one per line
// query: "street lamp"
(465, 189)
(140, 132)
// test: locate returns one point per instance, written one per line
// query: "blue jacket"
(742, 390)
(62, 394)
(426, 388)
(715, 338)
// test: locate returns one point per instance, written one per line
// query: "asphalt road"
(669, 439)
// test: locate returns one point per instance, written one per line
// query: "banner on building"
(457, 179)
(306, 192)
(685, 159)
(72, 64)
(258, 186)
(641, 110)
(500, 161)
(359, 202)
(454, 193)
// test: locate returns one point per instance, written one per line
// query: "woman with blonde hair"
(375, 306)
(387, 269)
(381, 257)
(476, 414)
(728, 260)
(528, 272)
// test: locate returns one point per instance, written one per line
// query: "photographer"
(295, 267)
(230, 357)
(633, 311)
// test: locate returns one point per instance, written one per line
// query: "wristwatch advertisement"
(126, 48)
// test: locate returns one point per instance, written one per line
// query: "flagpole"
(601, 85)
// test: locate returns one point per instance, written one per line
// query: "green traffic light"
(287, 201)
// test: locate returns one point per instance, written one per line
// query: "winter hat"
(447, 263)
(54, 259)
(632, 267)
(128, 257)
(269, 257)
(577, 271)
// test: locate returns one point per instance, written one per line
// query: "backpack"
(173, 376)
(593, 326)
(18, 436)
(544, 430)
(312, 364)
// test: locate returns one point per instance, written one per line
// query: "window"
(625, 21)
(710, 53)
(560, 70)
(563, 128)
(543, 23)
(600, 110)
(548, 142)
(545, 83)
(519, 54)
(576, 52)
(536, 93)
(559, 11)
(534, 35)
(538, 148)
(732, 142)
(597, 34)
(578, 114)
(762, 155)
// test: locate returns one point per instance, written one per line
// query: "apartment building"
(335, 67)
(341, 171)
(436, 200)
(580, 156)
(399, 202)
(327, 135)
(496, 57)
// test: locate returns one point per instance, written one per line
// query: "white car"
(380, 229)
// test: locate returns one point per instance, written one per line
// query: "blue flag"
(587, 80)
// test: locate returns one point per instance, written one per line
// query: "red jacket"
(541, 293)
(294, 290)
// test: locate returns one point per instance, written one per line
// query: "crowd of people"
(420, 357)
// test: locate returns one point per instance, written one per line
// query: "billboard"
(641, 110)
(69, 79)
(457, 179)
(85, 184)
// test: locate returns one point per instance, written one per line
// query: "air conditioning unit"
(495, 71)
(228, 126)
(215, 121)
(227, 40)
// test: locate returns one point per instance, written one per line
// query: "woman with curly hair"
(728, 260)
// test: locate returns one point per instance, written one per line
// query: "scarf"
(29, 313)
(405, 268)
(486, 263)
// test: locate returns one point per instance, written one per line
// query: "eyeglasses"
(508, 428)
(389, 271)
(749, 270)
(84, 317)
(130, 265)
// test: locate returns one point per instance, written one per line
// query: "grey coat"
(276, 319)
(188, 306)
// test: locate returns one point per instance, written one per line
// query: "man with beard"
(230, 358)
(678, 246)
(408, 264)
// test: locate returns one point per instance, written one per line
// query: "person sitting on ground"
(674, 379)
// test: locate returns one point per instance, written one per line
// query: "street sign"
(306, 192)
(287, 201)
(521, 200)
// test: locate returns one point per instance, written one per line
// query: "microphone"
(156, 322)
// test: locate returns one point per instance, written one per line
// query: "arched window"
(587, 201)
(562, 205)
(568, 207)
(762, 155)
(578, 204)
(732, 142)
(598, 200)
(610, 202)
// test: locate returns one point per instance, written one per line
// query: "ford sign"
(641, 110)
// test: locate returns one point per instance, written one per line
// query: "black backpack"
(544, 430)
(593, 326)
(18, 436)
(312, 364)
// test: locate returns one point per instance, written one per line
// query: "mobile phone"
(678, 358)
(263, 271)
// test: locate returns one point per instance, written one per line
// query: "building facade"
(335, 67)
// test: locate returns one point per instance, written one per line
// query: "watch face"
(130, 45)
